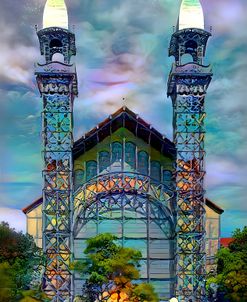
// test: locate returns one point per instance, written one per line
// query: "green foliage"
(231, 275)
(144, 293)
(110, 269)
(20, 260)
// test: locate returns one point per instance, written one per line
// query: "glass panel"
(160, 249)
(135, 229)
(167, 178)
(155, 170)
(79, 247)
(79, 178)
(104, 160)
(130, 155)
(117, 152)
(159, 269)
(111, 226)
(140, 245)
(163, 288)
(143, 162)
(91, 167)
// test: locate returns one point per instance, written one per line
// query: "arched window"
(79, 178)
(117, 152)
(55, 43)
(91, 169)
(167, 178)
(155, 170)
(143, 162)
(130, 155)
(104, 160)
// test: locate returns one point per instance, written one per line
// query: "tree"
(110, 270)
(231, 275)
(20, 260)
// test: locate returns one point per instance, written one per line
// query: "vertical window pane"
(167, 178)
(155, 170)
(143, 162)
(91, 167)
(104, 160)
(130, 155)
(117, 151)
(79, 178)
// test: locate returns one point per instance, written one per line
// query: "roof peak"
(126, 118)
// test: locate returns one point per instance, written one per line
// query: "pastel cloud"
(122, 60)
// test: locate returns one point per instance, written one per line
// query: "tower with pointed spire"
(187, 87)
(57, 83)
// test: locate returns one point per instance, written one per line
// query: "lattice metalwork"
(58, 87)
(128, 182)
(139, 211)
(187, 87)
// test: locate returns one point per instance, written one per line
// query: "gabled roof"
(33, 205)
(214, 206)
(131, 121)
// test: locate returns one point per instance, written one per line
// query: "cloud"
(122, 60)
(14, 217)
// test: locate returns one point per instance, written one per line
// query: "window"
(104, 160)
(155, 170)
(55, 43)
(79, 178)
(130, 155)
(117, 152)
(91, 169)
(143, 162)
(167, 178)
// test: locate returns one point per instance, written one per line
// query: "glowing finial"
(191, 15)
(55, 14)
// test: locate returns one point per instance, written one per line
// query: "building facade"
(123, 177)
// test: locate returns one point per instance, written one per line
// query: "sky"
(122, 59)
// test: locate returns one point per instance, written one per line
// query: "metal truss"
(187, 87)
(123, 199)
(56, 82)
(123, 182)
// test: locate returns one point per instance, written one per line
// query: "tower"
(187, 87)
(57, 83)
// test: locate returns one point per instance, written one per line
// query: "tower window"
(190, 46)
(55, 43)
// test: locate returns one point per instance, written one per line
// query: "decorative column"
(187, 87)
(57, 83)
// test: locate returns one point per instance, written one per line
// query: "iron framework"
(187, 88)
(57, 85)
(136, 208)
